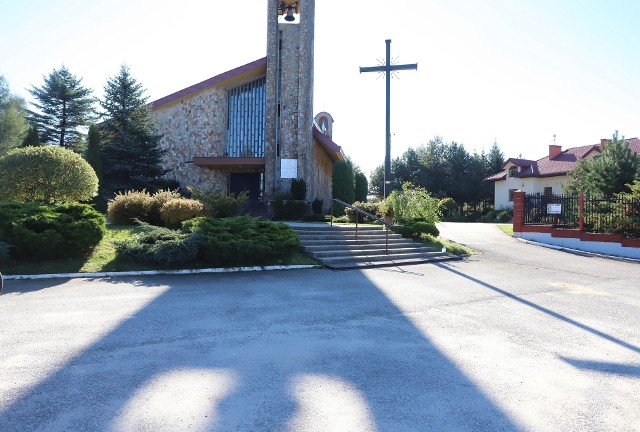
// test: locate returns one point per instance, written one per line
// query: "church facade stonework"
(240, 128)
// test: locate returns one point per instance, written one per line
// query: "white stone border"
(158, 272)
(577, 251)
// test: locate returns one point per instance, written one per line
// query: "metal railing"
(616, 214)
(387, 225)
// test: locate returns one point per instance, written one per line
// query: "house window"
(548, 191)
(513, 171)
(511, 191)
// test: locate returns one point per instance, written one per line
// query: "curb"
(578, 251)
(157, 272)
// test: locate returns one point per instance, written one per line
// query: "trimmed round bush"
(176, 211)
(158, 200)
(40, 231)
(369, 207)
(415, 229)
(49, 174)
(128, 206)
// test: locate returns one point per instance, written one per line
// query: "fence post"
(518, 211)
(581, 212)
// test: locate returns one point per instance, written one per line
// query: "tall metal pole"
(387, 157)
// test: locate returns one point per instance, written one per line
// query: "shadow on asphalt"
(623, 369)
(544, 310)
(270, 331)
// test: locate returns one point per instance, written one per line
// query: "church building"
(252, 128)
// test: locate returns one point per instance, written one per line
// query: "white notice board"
(554, 208)
(289, 168)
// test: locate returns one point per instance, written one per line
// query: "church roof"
(233, 73)
(333, 150)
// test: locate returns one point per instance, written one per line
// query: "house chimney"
(603, 142)
(554, 150)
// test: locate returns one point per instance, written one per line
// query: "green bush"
(242, 241)
(178, 210)
(298, 189)
(158, 200)
(447, 206)
(4, 252)
(415, 229)
(504, 216)
(490, 216)
(316, 206)
(40, 231)
(50, 174)
(160, 246)
(369, 207)
(219, 204)
(411, 203)
(130, 205)
(314, 218)
(289, 210)
(341, 219)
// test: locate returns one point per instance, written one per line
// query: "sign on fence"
(554, 208)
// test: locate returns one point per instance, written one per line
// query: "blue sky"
(511, 70)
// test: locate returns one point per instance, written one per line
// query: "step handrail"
(388, 225)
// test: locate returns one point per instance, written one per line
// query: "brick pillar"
(518, 211)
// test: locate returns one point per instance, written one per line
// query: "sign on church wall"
(289, 168)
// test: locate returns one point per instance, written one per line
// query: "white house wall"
(530, 185)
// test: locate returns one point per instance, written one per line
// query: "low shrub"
(316, 206)
(504, 216)
(40, 231)
(178, 210)
(220, 204)
(314, 218)
(158, 200)
(490, 216)
(414, 229)
(160, 246)
(289, 210)
(447, 206)
(130, 205)
(242, 241)
(369, 207)
(341, 219)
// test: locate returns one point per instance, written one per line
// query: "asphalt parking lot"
(517, 337)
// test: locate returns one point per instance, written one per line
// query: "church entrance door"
(250, 182)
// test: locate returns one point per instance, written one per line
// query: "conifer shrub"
(41, 231)
(4, 252)
(416, 228)
(298, 189)
(178, 210)
(128, 206)
(242, 241)
(316, 206)
(159, 246)
(49, 174)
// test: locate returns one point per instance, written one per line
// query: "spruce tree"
(93, 155)
(132, 157)
(64, 106)
(33, 137)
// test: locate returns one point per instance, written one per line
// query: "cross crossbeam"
(387, 68)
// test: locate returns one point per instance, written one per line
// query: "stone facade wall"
(193, 127)
(293, 64)
(320, 182)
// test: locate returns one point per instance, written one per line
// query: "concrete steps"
(341, 247)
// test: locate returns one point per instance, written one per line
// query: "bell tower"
(289, 88)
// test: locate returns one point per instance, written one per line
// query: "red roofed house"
(544, 176)
(252, 128)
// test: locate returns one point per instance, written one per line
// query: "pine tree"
(132, 157)
(64, 106)
(495, 159)
(33, 137)
(93, 155)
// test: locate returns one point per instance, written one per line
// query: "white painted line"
(157, 272)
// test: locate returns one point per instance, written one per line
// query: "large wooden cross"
(387, 68)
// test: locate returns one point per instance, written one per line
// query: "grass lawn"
(452, 248)
(103, 259)
(506, 228)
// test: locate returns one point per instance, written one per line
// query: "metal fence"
(599, 215)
